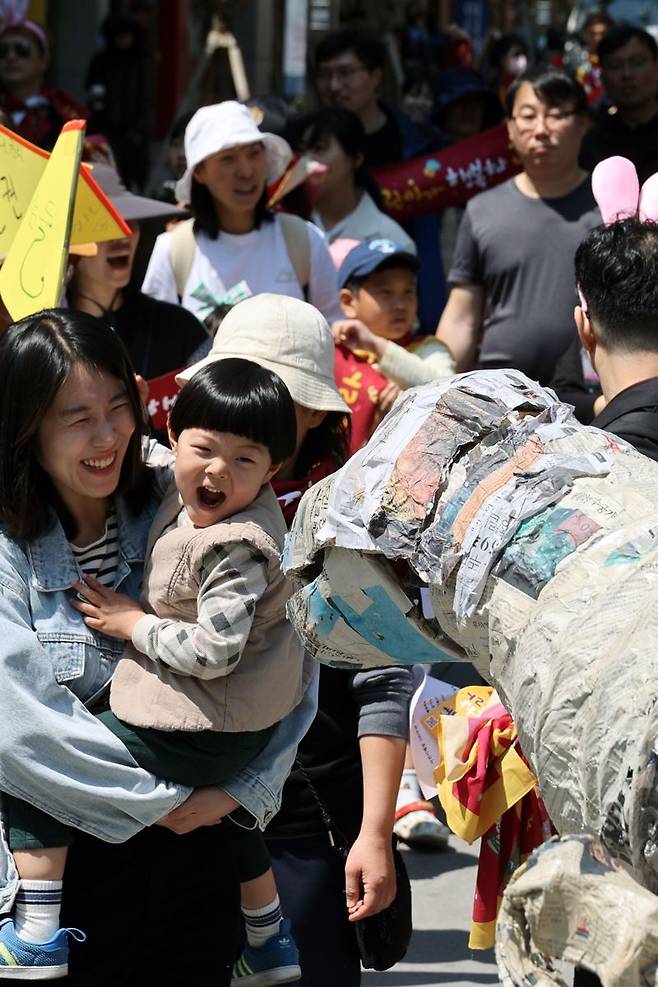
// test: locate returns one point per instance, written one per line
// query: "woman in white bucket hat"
(354, 751)
(234, 241)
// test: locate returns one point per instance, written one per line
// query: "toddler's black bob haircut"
(240, 397)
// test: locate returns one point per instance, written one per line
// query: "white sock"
(409, 790)
(262, 923)
(36, 915)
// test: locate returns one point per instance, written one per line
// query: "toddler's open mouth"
(210, 498)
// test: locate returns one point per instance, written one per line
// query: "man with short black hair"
(617, 320)
(512, 298)
(629, 67)
(349, 68)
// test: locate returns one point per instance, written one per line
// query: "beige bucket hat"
(287, 336)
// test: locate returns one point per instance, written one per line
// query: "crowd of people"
(150, 684)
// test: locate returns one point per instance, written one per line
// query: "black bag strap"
(336, 836)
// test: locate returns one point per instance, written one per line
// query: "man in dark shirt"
(629, 65)
(512, 294)
(349, 67)
(617, 320)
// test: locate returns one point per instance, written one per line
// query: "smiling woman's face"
(235, 177)
(111, 267)
(84, 436)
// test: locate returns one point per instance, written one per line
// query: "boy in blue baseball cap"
(377, 354)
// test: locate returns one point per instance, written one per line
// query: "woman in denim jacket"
(71, 475)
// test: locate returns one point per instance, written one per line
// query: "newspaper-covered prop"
(538, 540)
(571, 901)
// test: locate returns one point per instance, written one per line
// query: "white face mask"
(516, 64)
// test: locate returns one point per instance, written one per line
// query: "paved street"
(442, 895)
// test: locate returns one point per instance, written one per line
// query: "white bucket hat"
(287, 336)
(228, 124)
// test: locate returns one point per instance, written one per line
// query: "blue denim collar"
(53, 565)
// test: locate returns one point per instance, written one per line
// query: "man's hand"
(115, 614)
(204, 807)
(369, 876)
(358, 338)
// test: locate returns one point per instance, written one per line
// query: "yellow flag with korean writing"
(21, 166)
(32, 275)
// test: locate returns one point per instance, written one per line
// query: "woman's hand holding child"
(205, 807)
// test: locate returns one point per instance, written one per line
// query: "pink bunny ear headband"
(617, 191)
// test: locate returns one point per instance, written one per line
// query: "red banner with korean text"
(448, 177)
(162, 394)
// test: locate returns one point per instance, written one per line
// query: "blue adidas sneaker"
(20, 960)
(275, 962)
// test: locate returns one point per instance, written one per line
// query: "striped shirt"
(101, 558)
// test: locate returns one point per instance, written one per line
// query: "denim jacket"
(54, 753)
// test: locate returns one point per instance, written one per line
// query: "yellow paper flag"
(32, 275)
(21, 166)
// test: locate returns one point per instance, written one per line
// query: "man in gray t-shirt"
(512, 280)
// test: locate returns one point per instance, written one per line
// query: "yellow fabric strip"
(483, 935)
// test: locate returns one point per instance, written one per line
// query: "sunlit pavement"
(442, 885)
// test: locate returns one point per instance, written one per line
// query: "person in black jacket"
(628, 57)
(617, 320)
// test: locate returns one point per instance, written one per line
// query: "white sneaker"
(420, 827)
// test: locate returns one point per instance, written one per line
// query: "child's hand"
(115, 614)
(356, 336)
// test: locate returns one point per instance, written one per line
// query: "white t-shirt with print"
(258, 258)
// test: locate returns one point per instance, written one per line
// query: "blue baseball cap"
(371, 255)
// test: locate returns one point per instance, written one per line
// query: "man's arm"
(460, 326)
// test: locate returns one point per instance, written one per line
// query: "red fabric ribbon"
(448, 177)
